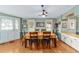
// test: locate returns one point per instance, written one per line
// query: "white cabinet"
(71, 41)
(75, 44)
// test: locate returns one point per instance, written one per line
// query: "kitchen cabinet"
(71, 41)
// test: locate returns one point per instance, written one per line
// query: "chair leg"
(25, 43)
(37, 44)
(43, 43)
(48, 43)
(52, 42)
(30, 44)
(55, 43)
(40, 43)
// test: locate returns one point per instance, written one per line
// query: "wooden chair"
(34, 39)
(54, 40)
(46, 39)
(40, 39)
(26, 40)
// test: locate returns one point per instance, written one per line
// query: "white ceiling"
(33, 11)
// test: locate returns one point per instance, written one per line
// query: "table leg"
(31, 44)
(25, 43)
(55, 42)
(52, 43)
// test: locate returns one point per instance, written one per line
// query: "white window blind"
(6, 24)
(16, 24)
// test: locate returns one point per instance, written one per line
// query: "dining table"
(40, 36)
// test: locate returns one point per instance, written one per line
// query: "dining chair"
(34, 39)
(46, 39)
(40, 39)
(54, 40)
(26, 40)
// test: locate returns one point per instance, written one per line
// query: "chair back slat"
(33, 35)
(46, 35)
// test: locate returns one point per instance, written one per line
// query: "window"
(6, 24)
(48, 26)
(16, 24)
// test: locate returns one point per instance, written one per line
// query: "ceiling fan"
(44, 13)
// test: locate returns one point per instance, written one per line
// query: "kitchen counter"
(71, 34)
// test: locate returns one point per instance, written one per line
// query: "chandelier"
(44, 13)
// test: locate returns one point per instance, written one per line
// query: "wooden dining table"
(40, 36)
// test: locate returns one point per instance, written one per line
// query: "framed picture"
(71, 23)
(64, 24)
(30, 23)
(40, 24)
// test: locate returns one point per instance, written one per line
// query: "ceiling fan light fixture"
(43, 16)
(44, 13)
(42, 5)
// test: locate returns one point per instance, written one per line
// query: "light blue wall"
(42, 20)
(60, 19)
(74, 10)
(9, 35)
